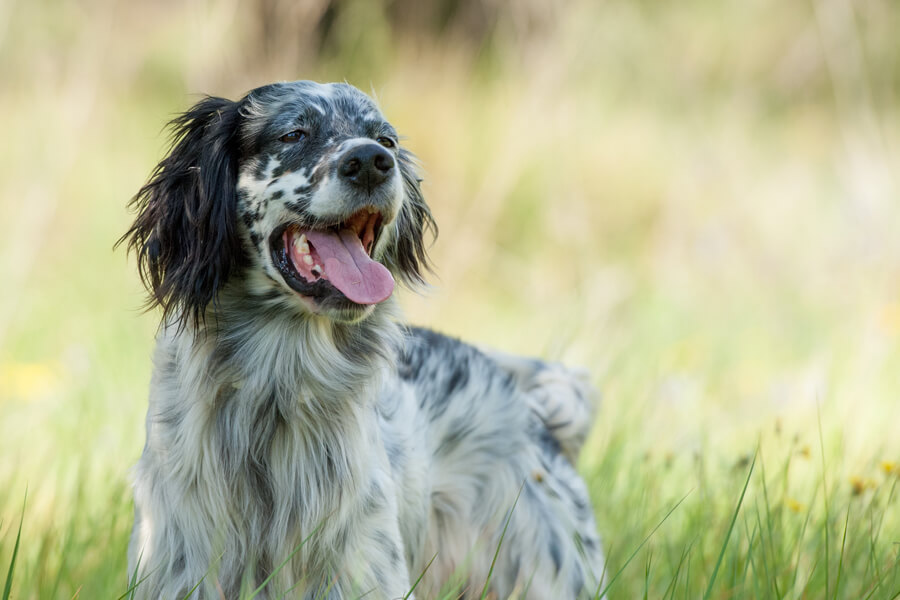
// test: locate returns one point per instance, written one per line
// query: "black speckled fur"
(297, 438)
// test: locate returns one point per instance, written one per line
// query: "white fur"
(335, 453)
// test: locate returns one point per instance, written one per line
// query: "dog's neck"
(287, 357)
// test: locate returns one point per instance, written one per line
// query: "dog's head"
(300, 190)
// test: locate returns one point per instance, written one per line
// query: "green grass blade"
(764, 558)
(421, 575)
(872, 591)
(193, 589)
(133, 582)
(129, 593)
(600, 594)
(756, 591)
(64, 554)
(7, 587)
(712, 579)
(674, 583)
(687, 578)
(837, 583)
(748, 566)
(487, 581)
(133, 585)
(826, 520)
(647, 573)
(800, 538)
(771, 534)
(302, 543)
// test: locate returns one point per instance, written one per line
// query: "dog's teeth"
(317, 270)
(307, 259)
(301, 244)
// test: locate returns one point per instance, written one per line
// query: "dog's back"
(490, 431)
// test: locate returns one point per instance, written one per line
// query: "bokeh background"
(696, 200)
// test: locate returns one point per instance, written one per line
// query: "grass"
(7, 586)
(696, 201)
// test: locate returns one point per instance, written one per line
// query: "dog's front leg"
(374, 568)
(379, 569)
(377, 560)
(363, 537)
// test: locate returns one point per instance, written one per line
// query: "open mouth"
(320, 262)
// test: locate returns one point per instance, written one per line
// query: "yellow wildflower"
(27, 381)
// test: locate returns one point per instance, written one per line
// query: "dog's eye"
(386, 142)
(292, 137)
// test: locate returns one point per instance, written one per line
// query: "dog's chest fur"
(311, 472)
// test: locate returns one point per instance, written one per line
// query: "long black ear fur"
(408, 257)
(185, 233)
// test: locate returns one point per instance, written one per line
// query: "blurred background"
(696, 200)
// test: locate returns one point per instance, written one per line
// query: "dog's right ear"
(185, 233)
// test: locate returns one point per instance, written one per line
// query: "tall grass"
(698, 201)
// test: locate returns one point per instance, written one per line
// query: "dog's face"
(319, 191)
(300, 188)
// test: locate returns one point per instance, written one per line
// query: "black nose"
(367, 166)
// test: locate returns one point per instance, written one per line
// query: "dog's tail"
(561, 396)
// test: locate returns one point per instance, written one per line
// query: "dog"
(301, 440)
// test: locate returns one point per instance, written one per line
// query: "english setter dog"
(301, 441)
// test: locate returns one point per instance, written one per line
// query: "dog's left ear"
(407, 256)
(185, 233)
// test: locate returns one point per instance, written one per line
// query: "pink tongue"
(349, 268)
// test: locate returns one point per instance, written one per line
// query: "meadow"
(698, 201)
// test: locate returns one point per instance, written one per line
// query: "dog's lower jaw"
(312, 475)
